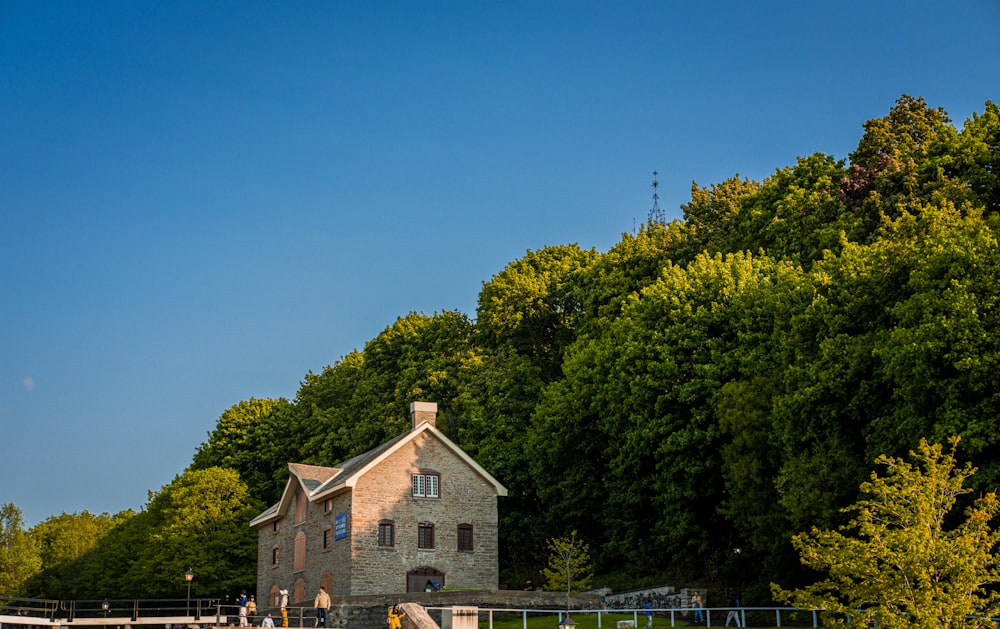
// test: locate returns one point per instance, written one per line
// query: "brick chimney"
(421, 412)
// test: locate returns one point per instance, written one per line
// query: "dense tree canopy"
(719, 382)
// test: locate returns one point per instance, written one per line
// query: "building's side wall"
(335, 559)
(267, 538)
(384, 493)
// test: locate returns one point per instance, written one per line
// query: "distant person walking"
(322, 604)
(284, 607)
(697, 604)
(734, 612)
(649, 614)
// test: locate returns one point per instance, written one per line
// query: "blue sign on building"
(340, 526)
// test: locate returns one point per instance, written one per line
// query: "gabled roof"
(321, 482)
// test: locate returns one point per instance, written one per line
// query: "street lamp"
(739, 573)
(188, 576)
(105, 607)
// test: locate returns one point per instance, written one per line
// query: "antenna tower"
(656, 214)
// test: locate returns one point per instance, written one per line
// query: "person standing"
(284, 607)
(696, 604)
(242, 602)
(251, 609)
(268, 621)
(649, 614)
(395, 617)
(322, 604)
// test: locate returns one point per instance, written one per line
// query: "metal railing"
(120, 612)
(24, 611)
(675, 616)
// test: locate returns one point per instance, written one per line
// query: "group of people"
(248, 610)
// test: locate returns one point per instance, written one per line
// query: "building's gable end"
(309, 477)
(350, 477)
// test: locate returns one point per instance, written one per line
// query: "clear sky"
(204, 201)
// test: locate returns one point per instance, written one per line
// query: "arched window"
(299, 590)
(301, 503)
(299, 558)
(326, 581)
(274, 596)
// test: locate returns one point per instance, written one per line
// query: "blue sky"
(204, 201)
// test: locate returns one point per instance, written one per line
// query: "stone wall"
(385, 495)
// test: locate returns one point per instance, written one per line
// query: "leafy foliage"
(18, 553)
(897, 563)
(63, 542)
(569, 565)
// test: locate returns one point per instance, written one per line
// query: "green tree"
(63, 542)
(976, 158)
(796, 214)
(889, 170)
(897, 562)
(635, 262)
(532, 306)
(712, 214)
(198, 521)
(362, 400)
(499, 394)
(18, 553)
(569, 565)
(253, 438)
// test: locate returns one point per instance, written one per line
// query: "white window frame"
(426, 485)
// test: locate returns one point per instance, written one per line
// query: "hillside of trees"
(717, 383)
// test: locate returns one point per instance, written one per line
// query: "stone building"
(414, 510)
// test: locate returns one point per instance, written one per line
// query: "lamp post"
(188, 576)
(105, 607)
(739, 573)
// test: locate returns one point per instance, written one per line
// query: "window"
(327, 505)
(465, 537)
(274, 556)
(299, 552)
(275, 526)
(386, 533)
(300, 505)
(327, 537)
(425, 535)
(425, 485)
